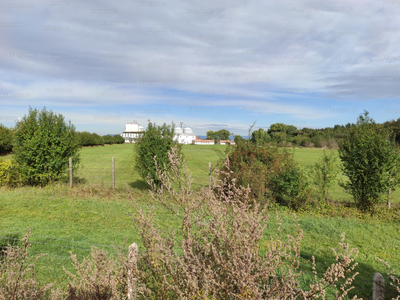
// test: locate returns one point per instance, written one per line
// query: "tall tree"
(370, 159)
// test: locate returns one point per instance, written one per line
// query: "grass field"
(64, 219)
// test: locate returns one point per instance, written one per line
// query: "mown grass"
(64, 219)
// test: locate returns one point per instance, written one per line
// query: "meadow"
(92, 214)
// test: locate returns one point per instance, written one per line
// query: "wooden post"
(113, 173)
(389, 194)
(133, 253)
(209, 175)
(70, 172)
(378, 287)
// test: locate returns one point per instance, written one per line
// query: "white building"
(132, 132)
(184, 135)
(203, 142)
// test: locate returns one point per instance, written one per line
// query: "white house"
(132, 132)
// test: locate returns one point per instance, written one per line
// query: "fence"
(109, 174)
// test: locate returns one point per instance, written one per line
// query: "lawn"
(91, 214)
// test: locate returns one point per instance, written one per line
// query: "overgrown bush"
(219, 255)
(155, 141)
(6, 139)
(85, 138)
(270, 172)
(9, 174)
(17, 274)
(43, 144)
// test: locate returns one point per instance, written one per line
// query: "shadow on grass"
(362, 282)
(12, 239)
(139, 184)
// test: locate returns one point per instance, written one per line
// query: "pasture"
(91, 214)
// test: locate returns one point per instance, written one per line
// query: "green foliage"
(369, 157)
(43, 144)
(238, 139)
(155, 141)
(110, 139)
(6, 139)
(271, 173)
(324, 174)
(210, 135)
(260, 137)
(89, 139)
(9, 174)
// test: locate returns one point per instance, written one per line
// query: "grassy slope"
(64, 220)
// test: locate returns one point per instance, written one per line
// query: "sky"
(209, 64)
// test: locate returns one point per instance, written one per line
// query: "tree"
(238, 139)
(6, 139)
(156, 141)
(210, 135)
(222, 134)
(369, 157)
(44, 142)
(260, 137)
(325, 172)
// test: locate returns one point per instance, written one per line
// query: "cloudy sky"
(211, 64)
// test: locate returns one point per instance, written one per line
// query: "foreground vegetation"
(64, 219)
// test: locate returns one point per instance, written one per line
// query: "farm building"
(203, 142)
(226, 142)
(184, 135)
(132, 132)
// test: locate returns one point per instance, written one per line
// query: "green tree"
(155, 141)
(222, 134)
(369, 157)
(260, 137)
(210, 135)
(324, 173)
(238, 139)
(6, 139)
(44, 142)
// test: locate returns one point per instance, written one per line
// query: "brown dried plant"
(17, 273)
(392, 275)
(219, 255)
(99, 277)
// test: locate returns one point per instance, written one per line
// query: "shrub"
(270, 172)
(43, 145)
(370, 159)
(155, 141)
(17, 273)
(6, 139)
(9, 174)
(99, 276)
(219, 255)
(324, 173)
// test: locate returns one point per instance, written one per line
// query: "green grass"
(64, 219)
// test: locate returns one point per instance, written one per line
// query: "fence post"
(209, 175)
(378, 287)
(389, 194)
(113, 173)
(70, 172)
(133, 253)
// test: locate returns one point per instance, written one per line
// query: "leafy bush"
(324, 173)
(43, 144)
(370, 159)
(6, 139)
(155, 141)
(270, 172)
(9, 174)
(89, 139)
